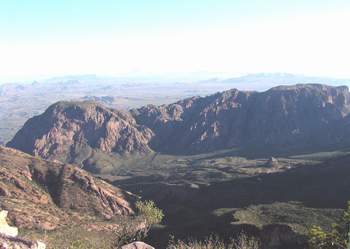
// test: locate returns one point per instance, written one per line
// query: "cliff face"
(67, 131)
(292, 116)
(302, 115)
(286, 117)
(197, 124)
(47, 195)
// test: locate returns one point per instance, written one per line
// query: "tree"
(149, 211)
(337, 237)
(148, 214)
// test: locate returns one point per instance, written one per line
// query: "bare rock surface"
(137, 245)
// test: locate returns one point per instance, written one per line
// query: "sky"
(41, 38)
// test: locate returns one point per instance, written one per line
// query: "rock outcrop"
(47, 195)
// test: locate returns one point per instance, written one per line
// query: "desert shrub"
(151, 213)
(214, 242)
(337, 237)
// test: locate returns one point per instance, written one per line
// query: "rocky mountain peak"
(67, 128)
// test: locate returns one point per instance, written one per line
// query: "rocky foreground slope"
(288, 118)
(46, 195)
(9, 239)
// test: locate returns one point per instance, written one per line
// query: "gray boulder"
(137, 245)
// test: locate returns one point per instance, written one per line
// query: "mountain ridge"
(284, 117)
(232, 118)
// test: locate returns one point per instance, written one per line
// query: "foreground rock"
(137, 245)
(9, 242)
(5, 229)
(8, 239)
(46, 195)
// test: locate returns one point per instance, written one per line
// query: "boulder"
(137, 245)
(8, 239)
(4, 227)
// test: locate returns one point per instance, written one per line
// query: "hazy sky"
(51, 38)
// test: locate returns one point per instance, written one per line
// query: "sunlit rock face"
(71, 131)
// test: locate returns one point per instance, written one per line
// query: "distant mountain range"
(283, 119)
(264, 81)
